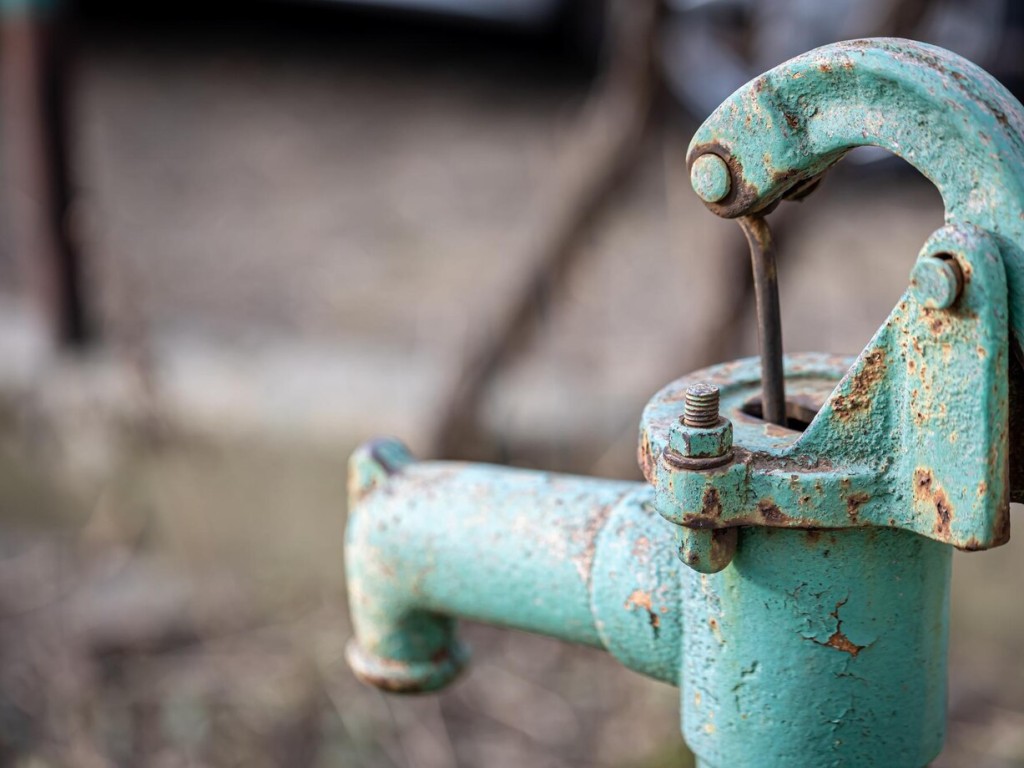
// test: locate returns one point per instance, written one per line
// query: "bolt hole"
(798, 415)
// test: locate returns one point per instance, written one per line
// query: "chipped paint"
(897, 407)
(816, 607)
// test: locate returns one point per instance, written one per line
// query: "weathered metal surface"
(584, 560)
(937, 281)
(818, 648)
(709, 176)
(914, 437)
(903, 441)
(817, 549)
(946, 116)
(700, 438)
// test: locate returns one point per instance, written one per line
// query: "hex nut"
(699, 447)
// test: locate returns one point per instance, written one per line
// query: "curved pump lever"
(922, 416)
(951, 120)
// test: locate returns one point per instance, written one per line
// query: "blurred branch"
(601, 149)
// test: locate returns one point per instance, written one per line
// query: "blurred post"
(33, 78)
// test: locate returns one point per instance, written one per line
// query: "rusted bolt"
(937, 281)
(701, 439)
(710, 178)
(701, 405)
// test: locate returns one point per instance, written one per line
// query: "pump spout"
(588, 561)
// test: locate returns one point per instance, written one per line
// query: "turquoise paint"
(584, 560)
(944, 115)
(899, 443)
(936, 282)
(818, 648)
(710, 178)
(811, 566)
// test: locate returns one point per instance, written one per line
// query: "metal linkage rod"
(769, 319)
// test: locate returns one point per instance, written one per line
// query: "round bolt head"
(710, 178)
(936, 282)
(705, 550)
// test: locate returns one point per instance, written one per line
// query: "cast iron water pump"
(787, 563)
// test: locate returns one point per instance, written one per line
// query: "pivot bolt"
(937, 281)
(710, 178)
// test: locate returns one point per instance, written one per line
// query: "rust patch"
(841, 642)
(936, 322)
(711, 503)
(853, 504)
(943, 514)
(586, 539)
(860, 390)
(642, 599)
(772, 462)
(770, 511)
(928, 492)
(639, 598)
(743, 195)
(838, 640)
(645, 457)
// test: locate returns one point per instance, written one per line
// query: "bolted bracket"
(920, 418)
(915, 434)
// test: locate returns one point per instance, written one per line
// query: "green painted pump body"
(585, 560)
(795, 586)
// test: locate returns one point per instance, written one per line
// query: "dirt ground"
(296, 227)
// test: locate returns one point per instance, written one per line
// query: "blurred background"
(237, 239)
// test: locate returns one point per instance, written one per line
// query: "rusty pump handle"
(944, 115)
(922, 416)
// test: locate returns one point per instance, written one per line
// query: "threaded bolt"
(701, 405)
